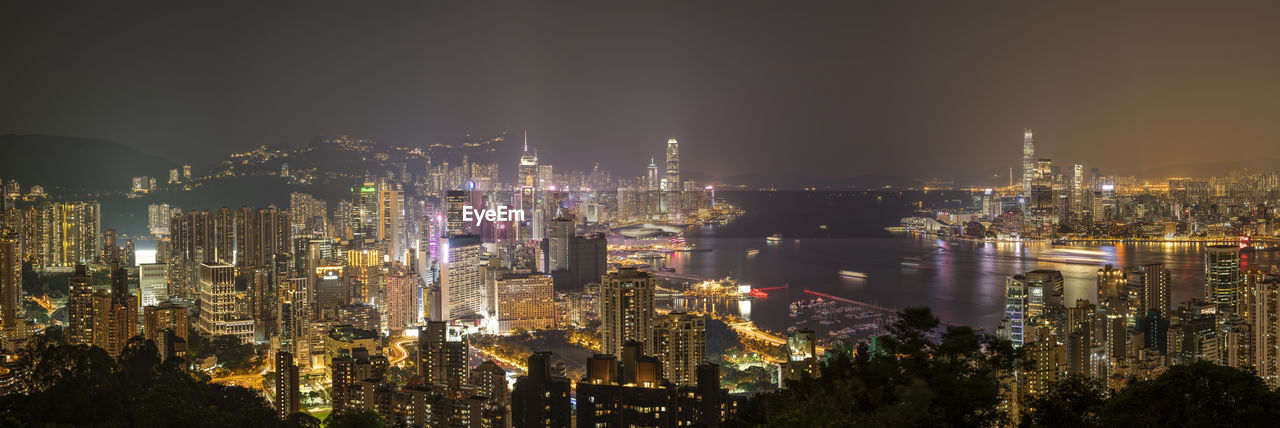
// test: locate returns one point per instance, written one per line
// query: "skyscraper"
(540, 398)
(364, 210)
(444, 354)
(80, 307)
(525, 301)
(461, 290)
(680, 342)
(673, 165)
(287, 396)
(217, 304)
(1028, 160)
(10, 284)
(626, 309)
(654, 181)
(1222, 278)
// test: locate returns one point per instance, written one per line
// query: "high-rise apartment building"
(680, 342)
(626, 309)
(287, 394)
(444, 354)
(80, 307)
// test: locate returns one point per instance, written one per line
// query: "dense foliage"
(83, 386)
(907, 381)
(914, 381)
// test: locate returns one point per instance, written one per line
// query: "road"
(251, 381)
(396, 353)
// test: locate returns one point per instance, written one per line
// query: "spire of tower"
(526, 141)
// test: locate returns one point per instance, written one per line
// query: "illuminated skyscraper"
(80, 307)
(653, 175)
(10, 284)
(1028, 161)
(444, 354)
(680, 342)
(526, 301)
(1077, 188)
(626, 309)
(461, 290)
(217, 304)
(364, 210)
(287, 396)
(1222, 278)
(673, 165)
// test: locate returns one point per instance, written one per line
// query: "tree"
(1200, 394)
(1071, 402)
(354, 420)
(301, 420)
(909, 380)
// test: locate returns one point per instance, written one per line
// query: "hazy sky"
(785, 89)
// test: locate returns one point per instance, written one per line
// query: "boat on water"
(852, 274)
(753, 251)
(777, 237)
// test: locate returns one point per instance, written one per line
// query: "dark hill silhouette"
(72, 163)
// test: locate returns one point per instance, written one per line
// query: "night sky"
(782, 89)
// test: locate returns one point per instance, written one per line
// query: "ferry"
(852, 274)
(753, 251)
(777, 237)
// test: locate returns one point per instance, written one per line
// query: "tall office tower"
(525, 301)
(217, 294)
(186, 173)
(1077, 188)
(462, 292)
(528, 166)
(559, 240)
(1222, 278)
(680, 342)
(626, 309)
(1016, 317)
(364, 210)
(1266, 331)
(1047, 290)
(158, 219)
(444, 354)
(541, 398)
(391, 222)
(329, 289)
(588, 261)
(153, 283)
(673, 165)
(1028, 161)
(80, 307)
(287, 395)
(1155, 289)
(455, 201)
(224, 236)
(10, 285)
(110, 251)
(652, 179)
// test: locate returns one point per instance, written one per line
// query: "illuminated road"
(251, 381)
(495, 357)
(396, 353)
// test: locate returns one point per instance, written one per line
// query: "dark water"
(962, 282)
